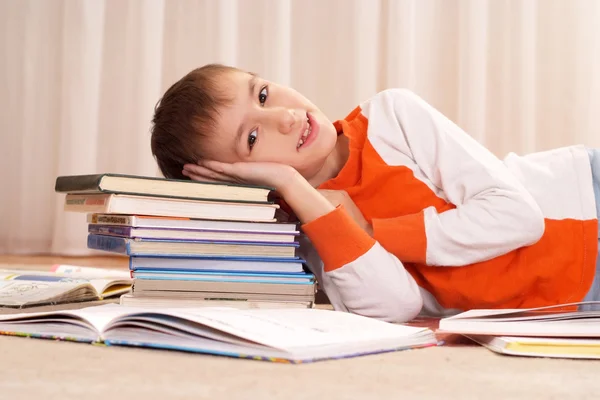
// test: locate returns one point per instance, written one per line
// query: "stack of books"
(193, 243)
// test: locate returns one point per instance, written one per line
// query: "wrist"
(306, 202)
(290, 181)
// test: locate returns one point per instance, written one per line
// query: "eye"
(263, 94)
(252, 138)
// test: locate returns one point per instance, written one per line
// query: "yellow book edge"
(541, 347)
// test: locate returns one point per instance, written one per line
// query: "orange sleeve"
(337, 238)
(403, 236)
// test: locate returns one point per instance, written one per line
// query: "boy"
(406, 212)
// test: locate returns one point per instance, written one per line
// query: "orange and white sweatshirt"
(454, 227)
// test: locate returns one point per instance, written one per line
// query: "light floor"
(33, 368)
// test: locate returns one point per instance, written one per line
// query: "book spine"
(79, 183)
(102, 219)
(124, 231)
(79, 201)
(112, 244)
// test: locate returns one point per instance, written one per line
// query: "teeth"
(304, 135)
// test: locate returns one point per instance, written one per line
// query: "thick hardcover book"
(127, 204)
(161, 187)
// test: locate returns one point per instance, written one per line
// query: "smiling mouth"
(305, 135)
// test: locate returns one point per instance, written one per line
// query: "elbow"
(395, 307)
(403, 312)
(532, 223)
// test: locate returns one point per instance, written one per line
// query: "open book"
(541, 346)
(551, 321)
(536, 332)
(63, 285)
(289, 335)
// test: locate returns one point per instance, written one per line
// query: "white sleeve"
(373, 283)
(494, 212)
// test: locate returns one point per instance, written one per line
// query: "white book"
(160, 222)
(166, 302)
(285, 335)
(551, 321)
(165, 207)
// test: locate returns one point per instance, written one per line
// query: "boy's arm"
(359, 275)
(494, 213)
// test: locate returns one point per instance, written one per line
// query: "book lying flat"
(212, 295)
(154, 186)
(146, 247)
(264, 287)
(154, 221)
(549, 347)
(165, 302)
(283, 335)
(129, 204)
(550, 321)
(188, 234)
(19, 289)
(223, 263)
(225, 276)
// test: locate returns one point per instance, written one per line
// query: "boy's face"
(267, 122)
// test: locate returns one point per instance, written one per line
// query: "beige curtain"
(79, 78)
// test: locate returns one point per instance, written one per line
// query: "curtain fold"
(80, 79)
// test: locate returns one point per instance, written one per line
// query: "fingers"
(201, 173)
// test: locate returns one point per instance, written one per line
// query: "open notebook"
(289, 335)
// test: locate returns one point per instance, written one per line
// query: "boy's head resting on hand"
(224, 114)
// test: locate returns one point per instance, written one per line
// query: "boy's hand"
(341, 197)
(307, 202)
(256, 173)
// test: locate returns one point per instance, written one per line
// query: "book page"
(24, 293)
(104, 282)
(296, 328)
(102, 316)
(90, 272)
(97, 317)
(529, 314)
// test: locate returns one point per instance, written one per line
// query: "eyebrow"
(251, 87)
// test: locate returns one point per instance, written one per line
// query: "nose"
(285, 120)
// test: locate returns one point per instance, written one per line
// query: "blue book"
(299, 278)
(132, 247)
(223, 263)
(192, 234)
